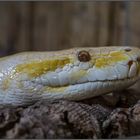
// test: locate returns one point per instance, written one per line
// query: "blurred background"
(43, 26)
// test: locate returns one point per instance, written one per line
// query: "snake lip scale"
(74, 74)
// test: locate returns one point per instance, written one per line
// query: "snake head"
(99, 70)
(84, 65)
(78, 73)
(103, 64)
(74, 74)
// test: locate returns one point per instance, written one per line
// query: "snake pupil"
(127, 49)
(83, 56)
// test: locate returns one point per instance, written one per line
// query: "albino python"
(73, 74)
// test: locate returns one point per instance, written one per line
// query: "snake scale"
(73, 74)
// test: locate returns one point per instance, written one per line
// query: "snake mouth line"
(101, 81)
(115, 80)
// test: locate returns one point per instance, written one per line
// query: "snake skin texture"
(74, 74)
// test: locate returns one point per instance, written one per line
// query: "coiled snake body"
(73, 74)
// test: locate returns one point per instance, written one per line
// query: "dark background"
(48, 25)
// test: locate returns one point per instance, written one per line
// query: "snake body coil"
(72, 74)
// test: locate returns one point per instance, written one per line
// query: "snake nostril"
(138, 59)
(130, 63)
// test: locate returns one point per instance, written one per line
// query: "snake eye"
(83, 56)
(127, 49)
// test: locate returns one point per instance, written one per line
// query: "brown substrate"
(108, 116)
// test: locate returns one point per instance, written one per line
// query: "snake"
(72, 74)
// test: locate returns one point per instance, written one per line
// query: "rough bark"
(108, 116)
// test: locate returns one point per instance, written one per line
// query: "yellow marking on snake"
(55, 89)
(111, 58)
(5, 84)
(77, 75)
(35, 69)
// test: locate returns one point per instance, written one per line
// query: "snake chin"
(92, 89)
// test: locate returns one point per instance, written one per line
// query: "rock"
(62, 119)
(108, 116)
